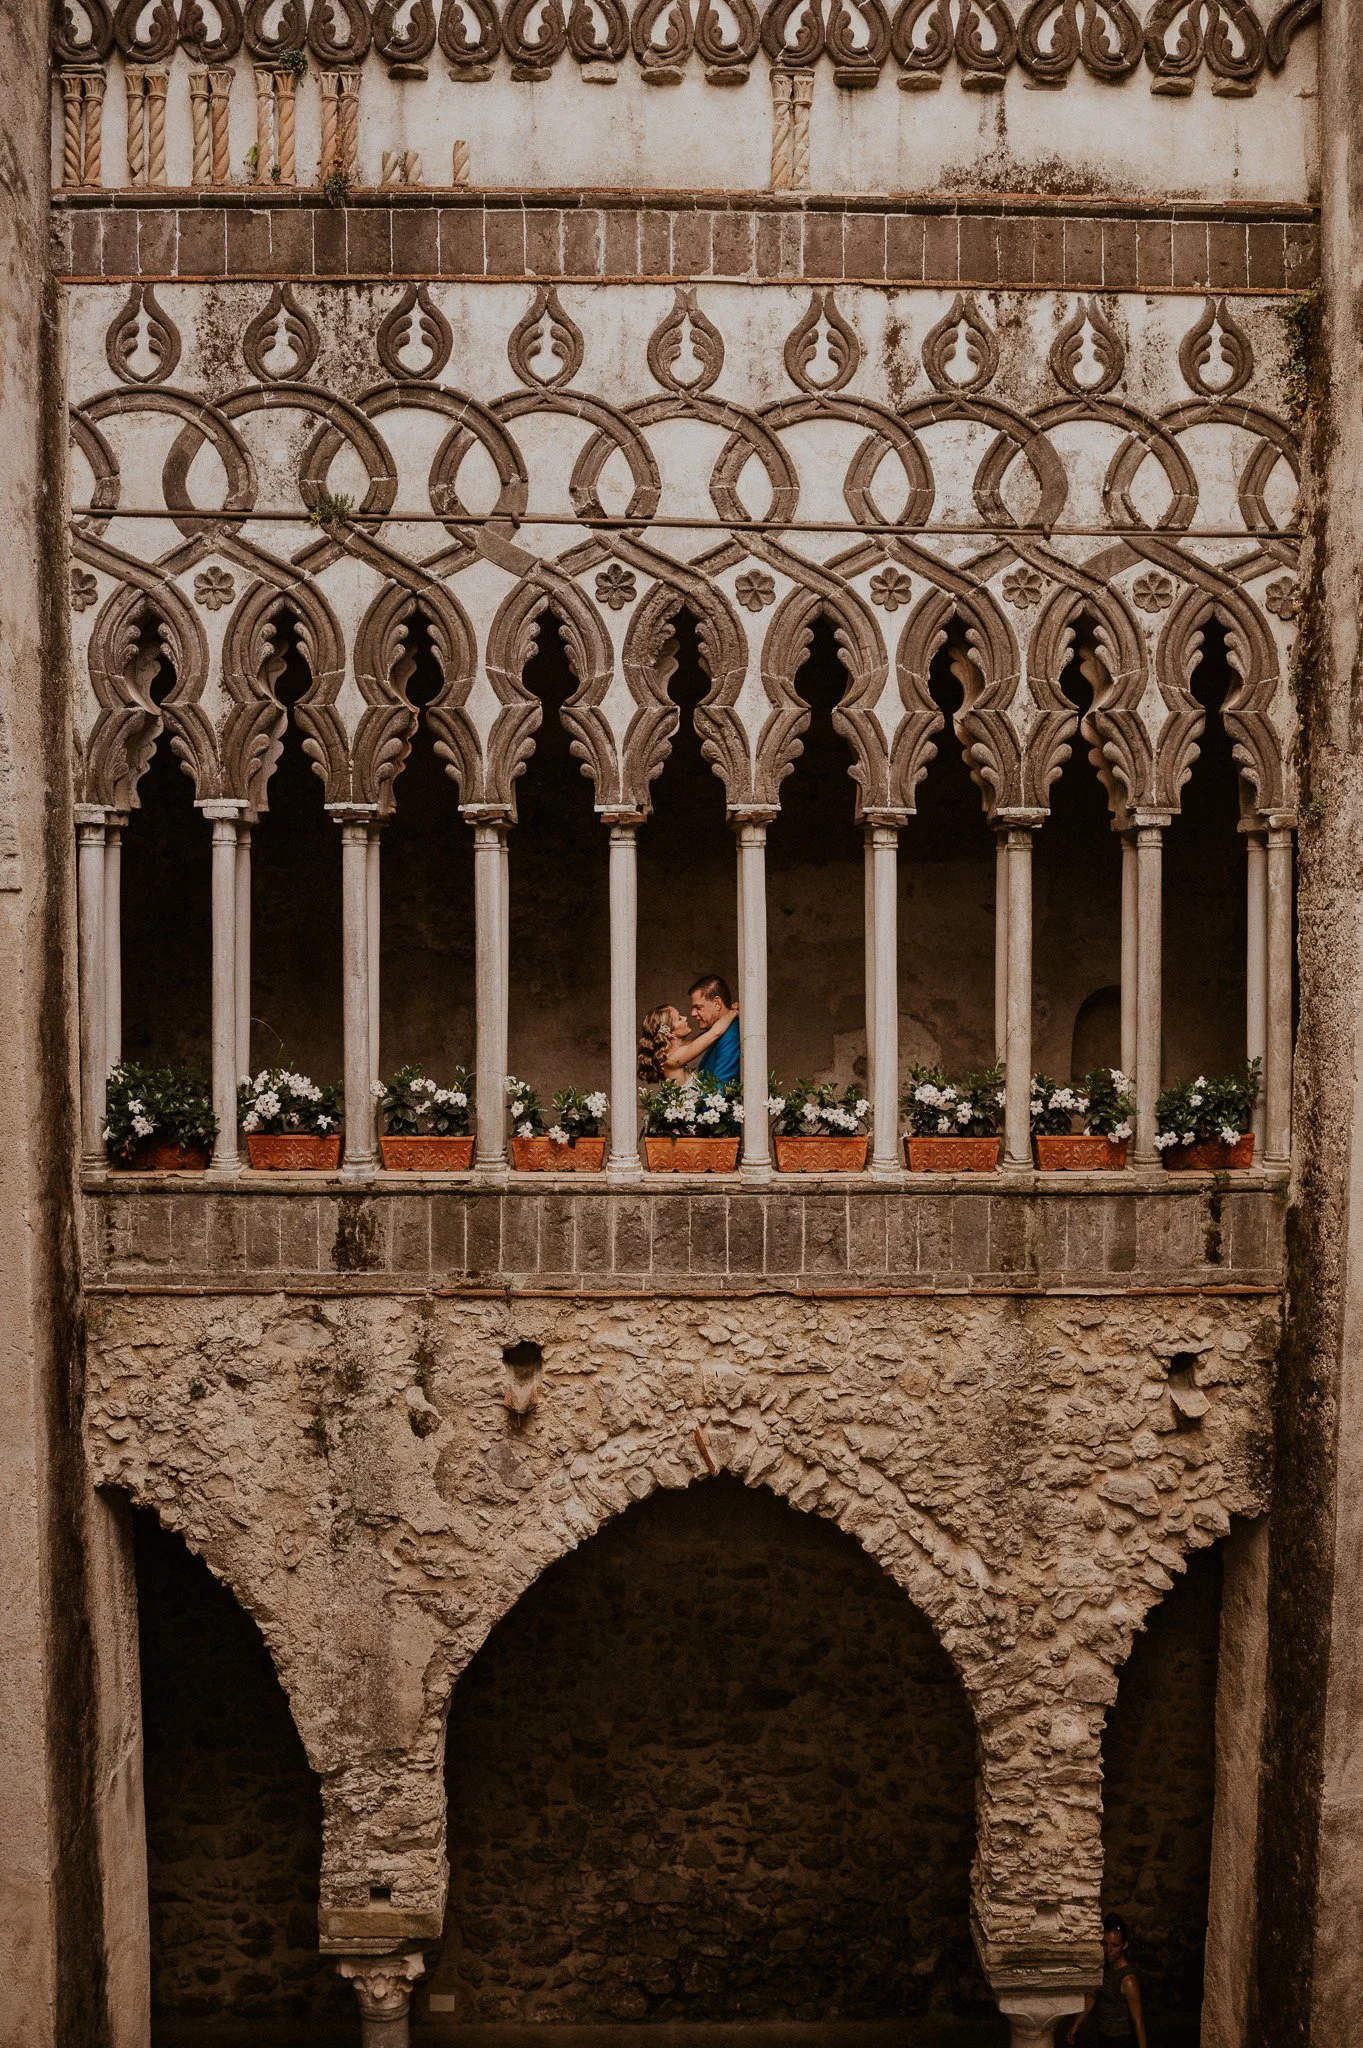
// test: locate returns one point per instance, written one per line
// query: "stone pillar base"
(1033, 2014)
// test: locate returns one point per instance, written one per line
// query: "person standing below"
(711, 1001)
(1117, 2001)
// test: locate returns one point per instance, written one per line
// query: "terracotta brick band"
(1092, 244)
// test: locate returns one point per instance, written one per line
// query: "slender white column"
(868, 927)
(623, 1161)
(94, 1066)
(490, 992)
(752, 901)
(222, 816)
(355, 994)
(372, 899)
(1017, 1116)
(1149, 981)
(1130, 920)
(1256, 964)
(882, 966)
(1000, 948)
(1278, 1035)
(504, 925)
(243, 980)
(113, 938)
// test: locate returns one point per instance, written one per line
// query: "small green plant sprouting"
(1302, 317)
(317, 1431)
(332, 511)
(275, 174)
(252, 158)
(294, 62)
(197, 1390)
(336, 187)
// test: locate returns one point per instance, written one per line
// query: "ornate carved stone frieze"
(1011, 480)
(1048, 39)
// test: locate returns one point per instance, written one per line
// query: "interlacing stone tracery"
(1044, 460)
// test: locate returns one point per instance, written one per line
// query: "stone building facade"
(512, 507)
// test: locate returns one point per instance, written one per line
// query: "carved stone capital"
(383, 1984)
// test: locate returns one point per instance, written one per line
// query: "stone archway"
(712, 1766)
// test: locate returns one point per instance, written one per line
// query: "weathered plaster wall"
(712, 1766)
(1015, 1467)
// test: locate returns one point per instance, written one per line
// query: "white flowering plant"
(413, 1105)
(577, 1115)
(935, 1107)
(276, 1102)
(816, 1109)
(1189, 1112)
(1111, 1097)
(174, 1104)
(527, 1118)
(693, 1106)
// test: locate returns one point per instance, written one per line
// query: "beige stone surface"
(1017, 1468)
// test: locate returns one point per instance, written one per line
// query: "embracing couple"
(668, 1046)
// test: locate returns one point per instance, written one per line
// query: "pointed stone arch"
(129, 722)
(861, 650)
(988, 669)
(253, 732)
(1256, 744)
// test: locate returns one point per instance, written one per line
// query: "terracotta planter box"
(542, 1155)
(1211, 1155)
(426, 1154)
(1080, 1155)
(691, 1155)
(293, 1152)
(821, 1155)
(953, 1155)
(159, 1155)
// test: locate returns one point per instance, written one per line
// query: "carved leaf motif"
(1054, 34)
(922, 36)
(674, 45)
(412, 43)
(972, 49)
(467, 48)
(551, 40)
(142, 324)
(684, 336)
(204, 44)
(415, 322)
(598, 30)
(82, 32)
(1217, 342)
(792, 31)
(545, 335)
(843, 45)
(1236, 45)
(961, 353)
(339, 31)
(712, 47)
(821, 337)
(1286, 25)
(281, 323)
(290, 32)
(1183, 59)
(149, 36)
(1087, 355)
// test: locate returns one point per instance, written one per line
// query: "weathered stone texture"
(713, 1766)
(1017, 1467)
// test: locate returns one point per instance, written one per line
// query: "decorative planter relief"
(426, 1154)
(160, 1155)
(546, 1155)
(1211, 1155)
(293, 1152)
(953, 1155)
(821, 1154)
(691, 1155)
(1080, 1154)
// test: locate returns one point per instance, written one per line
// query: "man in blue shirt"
(710, 1000)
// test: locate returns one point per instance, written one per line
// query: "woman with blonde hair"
(667, 1046)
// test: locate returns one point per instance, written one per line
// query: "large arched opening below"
(1159, 1784)
(234, 1822)
(713, 1766)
